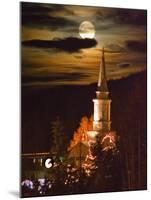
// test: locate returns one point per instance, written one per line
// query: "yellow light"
(92, 134)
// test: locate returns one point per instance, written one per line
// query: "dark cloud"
(43, 8)
(123, 16)
(131, 16)
(70, 44)
(114, 48)
(130, 45)
(138, 46)
(123, 65)
(59, 77)
(41, 16)
(46, 22)
(27, 7)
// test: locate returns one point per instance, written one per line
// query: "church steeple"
(102, 83)
(102, 102)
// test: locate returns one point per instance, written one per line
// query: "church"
(101, 127)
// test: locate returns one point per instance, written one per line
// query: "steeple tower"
(102, 103)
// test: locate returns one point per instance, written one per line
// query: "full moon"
(87, 30)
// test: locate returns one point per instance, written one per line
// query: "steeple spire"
(102, 83)
(102, 101)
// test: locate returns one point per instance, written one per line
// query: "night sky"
(54, 53)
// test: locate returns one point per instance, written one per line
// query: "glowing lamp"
(48, 163)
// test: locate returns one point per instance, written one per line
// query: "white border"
(10, 97)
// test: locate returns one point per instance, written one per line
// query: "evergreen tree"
(102, 166)
(80, 135)
(94, 167)
(59, 144)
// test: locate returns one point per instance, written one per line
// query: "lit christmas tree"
(101, 163)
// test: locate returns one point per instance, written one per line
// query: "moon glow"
(87, 30)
